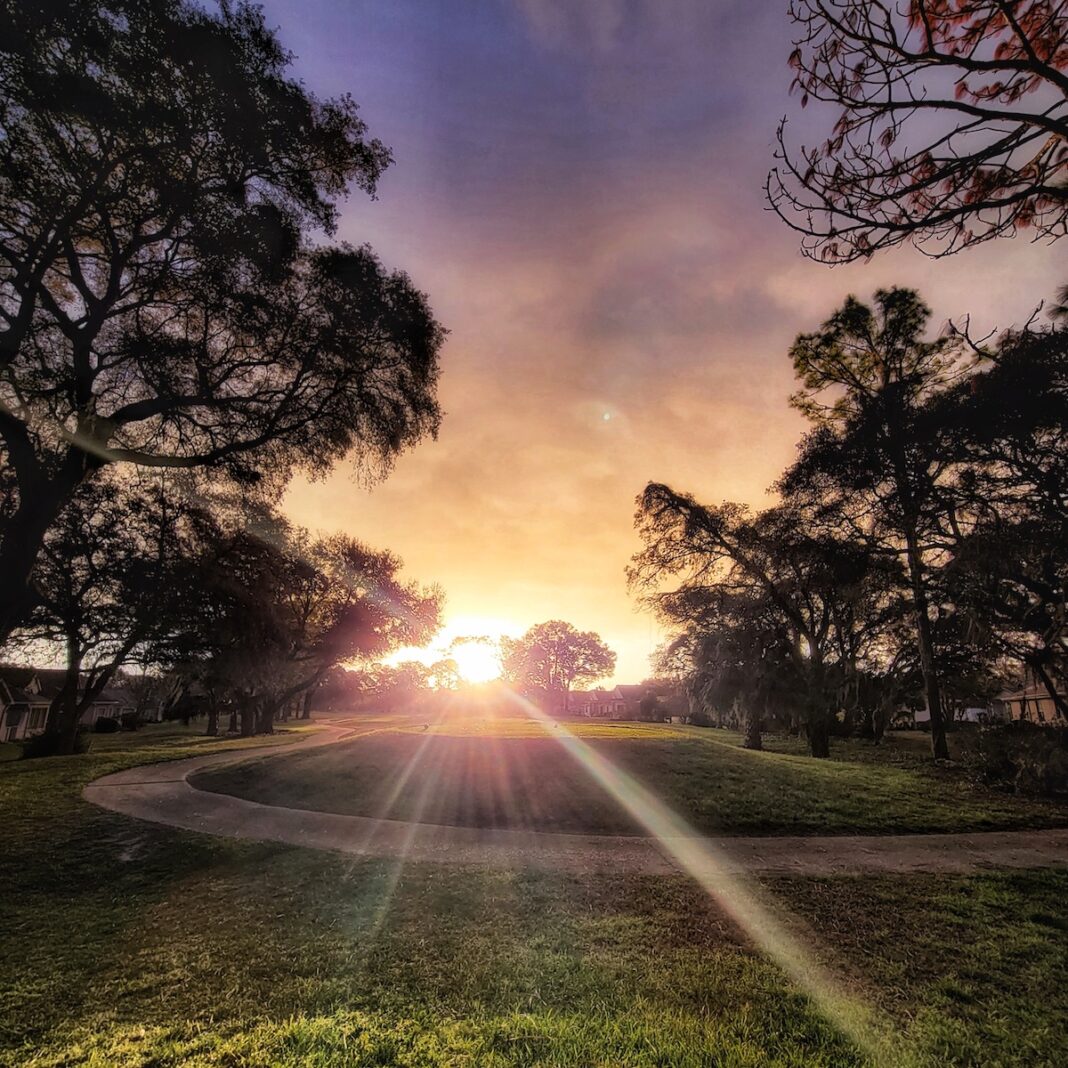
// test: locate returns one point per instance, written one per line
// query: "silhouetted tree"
(108, 583)
(763, 598)
(402, 683)
(877, 462)
(278, 610)
(1011, 435)
(446, 674)
(165, 300)
(552, 657)
(952, 126)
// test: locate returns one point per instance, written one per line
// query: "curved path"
(161, 793)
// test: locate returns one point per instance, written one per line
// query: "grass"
(504, 772)
(131, 944)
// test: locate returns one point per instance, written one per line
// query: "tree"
(402, 683)
(340, 601)
(952, 125)
(878, 462)
(279, 610)
(1011, 571)
(552, 657)
(165, 298)
(743, 668)
(446, 674)
(107, 582)
(764, 602)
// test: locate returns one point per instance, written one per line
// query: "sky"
(578, 187)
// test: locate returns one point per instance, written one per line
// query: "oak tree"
(169, 296)
(552, 657)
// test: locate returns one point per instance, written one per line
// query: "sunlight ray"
(392, 878)
(741, 898)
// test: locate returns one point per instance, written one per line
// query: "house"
(27, 693)
(632, 697)
(23, 707)
(597, 704)
(921, 717)
(1032, 703)
(620, 702)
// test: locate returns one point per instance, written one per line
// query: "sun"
(469, 641)
(476, 661)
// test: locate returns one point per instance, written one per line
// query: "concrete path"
(161, 793)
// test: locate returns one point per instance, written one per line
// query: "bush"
(1024, 757)
(106, 725)
(46, 745)
(131, 721)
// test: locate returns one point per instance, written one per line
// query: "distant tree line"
(918, 552)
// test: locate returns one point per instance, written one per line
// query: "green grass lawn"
(126, 943)
(505, 772)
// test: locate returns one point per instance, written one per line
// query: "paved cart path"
(161, 793)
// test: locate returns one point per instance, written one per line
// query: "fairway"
(510, 772)
(182, 949)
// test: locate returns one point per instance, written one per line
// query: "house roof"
(24, 697)
(13, 683)
(14, 675)
(113, 695)
(49, 681)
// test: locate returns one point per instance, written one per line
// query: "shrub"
(131, 721)
(1023, 757)
(45, 745)
(106, 725)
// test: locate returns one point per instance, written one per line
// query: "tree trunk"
(306, 703)
(879, 721)
(213, 719)
(819, 735)
(25, 530)
(64, 713)
(67, 724)
(754, 725)
(232, 726)
(248, 718)
(265, 717)
(867, 723)
(932, 690)
(1050, 687)
(753, 738)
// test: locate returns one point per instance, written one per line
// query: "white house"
(23, 707)
(27, 693)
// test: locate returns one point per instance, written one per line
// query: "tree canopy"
(915, 555)
(952, 125)
(552, 657)
(166, 294)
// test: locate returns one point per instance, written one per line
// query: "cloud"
(579, 191)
